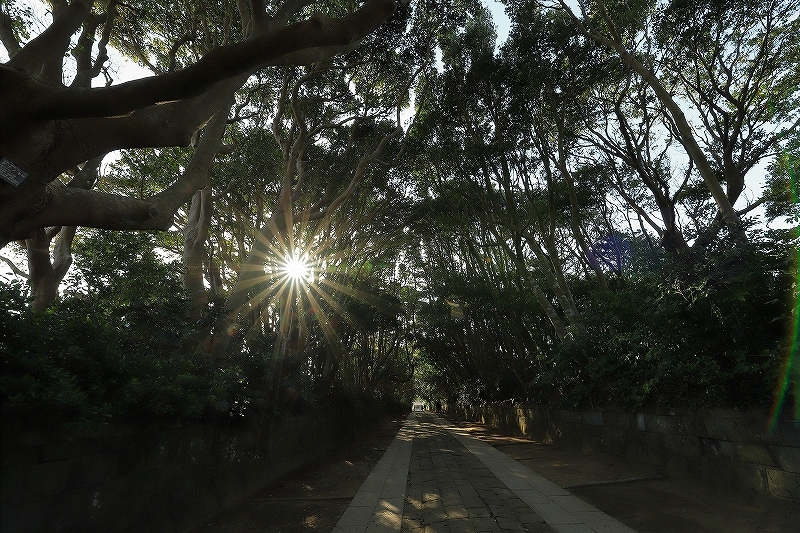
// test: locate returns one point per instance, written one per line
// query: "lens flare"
(790, 364)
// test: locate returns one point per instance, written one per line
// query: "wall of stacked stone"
(724, 447)
(160, 482)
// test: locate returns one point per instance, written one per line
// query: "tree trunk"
(541, 297)
(194, 251)
(551, 267)
(687, 138)
(45, 274)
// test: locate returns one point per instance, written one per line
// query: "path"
(435, 478)
(440, 475)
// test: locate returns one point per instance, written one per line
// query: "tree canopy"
(568, 216)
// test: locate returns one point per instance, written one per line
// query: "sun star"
(297, 269)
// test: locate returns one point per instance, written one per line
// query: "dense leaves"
(118, 346)
(564, 161)
(481, 221)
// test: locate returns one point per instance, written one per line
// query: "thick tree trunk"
(45, 131)
(45, 273)
(42, 275)
(196, 178)
(194, 252)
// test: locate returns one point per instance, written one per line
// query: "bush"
(120, 345)
(705, 329)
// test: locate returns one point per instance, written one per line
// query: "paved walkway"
(435, 478)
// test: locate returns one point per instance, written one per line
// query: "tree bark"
(44, 130)
(194, 251)
(45, 273)
(538, 294)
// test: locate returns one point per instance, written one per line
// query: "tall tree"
(619, 28)
(47, 128)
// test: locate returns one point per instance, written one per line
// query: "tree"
(491, 119)
(206, 40)
(47, 128)
(737, 65)
(554, 139)
(619, 28)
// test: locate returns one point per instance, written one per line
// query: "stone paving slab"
(450, 490)
(377, 507)
(564, 512)
(435, 478)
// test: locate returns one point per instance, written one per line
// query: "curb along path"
(434, 478)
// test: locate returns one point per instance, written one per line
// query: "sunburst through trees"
(316, 292)
(297, 268)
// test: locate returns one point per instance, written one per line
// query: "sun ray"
(346, 315)
(331, 337)
(286, 318)
(275, 288)
(305, 285)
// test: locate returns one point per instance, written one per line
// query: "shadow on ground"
(309, 499)
(313, 498)
(642, 497)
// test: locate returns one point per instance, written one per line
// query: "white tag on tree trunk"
(11, 173)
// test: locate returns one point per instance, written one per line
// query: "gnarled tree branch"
(218, 64)
(53, 42)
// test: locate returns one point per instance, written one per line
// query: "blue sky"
(500, 19)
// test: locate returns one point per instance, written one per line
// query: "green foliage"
(703, 327)
(36, 386)
(781, 190)
(79, 364)
(119, 348)
(119, 345)
(21, 16)
(707, 328)
(152, 29)
(701, 330)
(82, 362)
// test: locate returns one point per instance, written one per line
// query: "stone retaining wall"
(724, 447)
(156, 482)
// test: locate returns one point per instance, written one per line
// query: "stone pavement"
(435, 478)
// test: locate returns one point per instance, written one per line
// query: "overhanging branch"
(220, 63)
